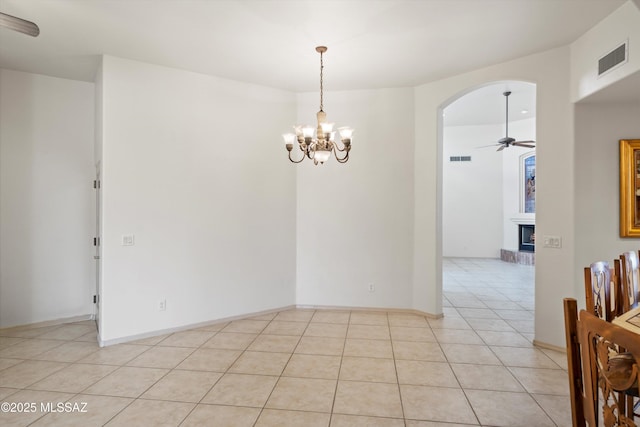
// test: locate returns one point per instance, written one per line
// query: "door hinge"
(95, 299)
(96, 183)
(96, 241)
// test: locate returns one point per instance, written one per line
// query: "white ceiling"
(486, 105)
(372, 43)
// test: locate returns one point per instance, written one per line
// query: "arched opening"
(488, 206)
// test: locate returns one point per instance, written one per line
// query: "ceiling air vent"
(613, 59)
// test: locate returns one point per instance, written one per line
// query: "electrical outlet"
(372, 287)
(128, 240)
(162, 305)
(552, 242)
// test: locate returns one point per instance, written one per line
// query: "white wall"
(623, 24)
(472, 211)
(46, 198)
(599, 127)
(355, 220)
(194, 168)
(554, 267)
(480, 198)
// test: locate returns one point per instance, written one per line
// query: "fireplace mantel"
(524, 219)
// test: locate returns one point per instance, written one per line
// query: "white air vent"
(460, 158)
(613, 59)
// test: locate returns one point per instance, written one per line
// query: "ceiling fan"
(507, 141)
(19, 24)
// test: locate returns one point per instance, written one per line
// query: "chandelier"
(319, 149)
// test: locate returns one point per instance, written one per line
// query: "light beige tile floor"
(305, 368)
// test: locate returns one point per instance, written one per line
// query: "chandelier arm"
(312, 156)
(311, 152)
(293, 161)
(343, 149)
(343, 159)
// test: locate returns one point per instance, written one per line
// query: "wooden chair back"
(606, 373)
(576, 379)
(630, 280)
(600, 300)
(597, 369)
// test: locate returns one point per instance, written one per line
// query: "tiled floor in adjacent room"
(306, 368)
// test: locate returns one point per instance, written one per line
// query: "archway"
(483, 188)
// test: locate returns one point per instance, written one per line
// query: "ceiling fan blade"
(485, 146)
(501, 148)
(19, 24)
(528, 144)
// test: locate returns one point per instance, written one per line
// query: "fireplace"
(527, 237)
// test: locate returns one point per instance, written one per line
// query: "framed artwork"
(528, 183)
(630, 188)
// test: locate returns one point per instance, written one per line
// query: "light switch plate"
(552, 242)
(128, 240)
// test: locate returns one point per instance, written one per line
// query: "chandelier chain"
(321, 81)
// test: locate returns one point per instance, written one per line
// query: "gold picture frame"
(630, 188)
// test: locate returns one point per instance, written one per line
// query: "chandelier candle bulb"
(345, 133)
(326, 127)
(319, 149)
(307, 133)
(289, 138)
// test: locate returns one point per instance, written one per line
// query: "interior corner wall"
(599, 127)
(355, 220)
(472, 207)
(97, 143)
(47, 213)
(192, 169)
(554, 269)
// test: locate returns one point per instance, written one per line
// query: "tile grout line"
(231, 364)
(344, 346)
(285, 365)
(395, 368)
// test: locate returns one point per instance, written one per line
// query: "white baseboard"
(542, 344)
(53, 322)
(104, 343)
(129, 338)
(374, 309)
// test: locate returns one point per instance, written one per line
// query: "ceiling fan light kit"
(19, 24)
(319, 149)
